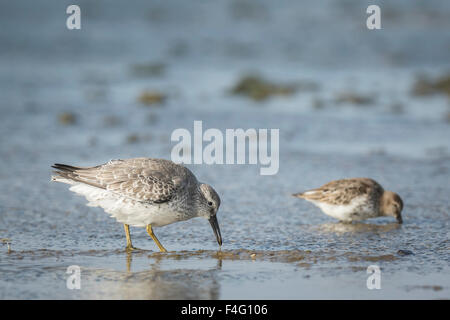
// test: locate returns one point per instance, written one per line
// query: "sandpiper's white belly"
(357, 209)
(128, 211)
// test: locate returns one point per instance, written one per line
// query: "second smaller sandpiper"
(355, 199)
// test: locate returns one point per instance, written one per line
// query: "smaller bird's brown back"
(342, 192)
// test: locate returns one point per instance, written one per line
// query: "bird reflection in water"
(358, 227)
(165, 279)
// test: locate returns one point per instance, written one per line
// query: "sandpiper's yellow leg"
(127, 234)
(150, 232)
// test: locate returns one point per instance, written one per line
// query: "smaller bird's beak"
(216, 229)
(399, 218)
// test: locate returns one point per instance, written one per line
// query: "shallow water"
(275, 246)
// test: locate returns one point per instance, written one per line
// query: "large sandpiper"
(355, 199)
(143, 192)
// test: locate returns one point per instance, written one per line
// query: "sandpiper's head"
(208, 205)
(392, 205)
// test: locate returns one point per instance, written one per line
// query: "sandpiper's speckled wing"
(342, 192)
(141, 179)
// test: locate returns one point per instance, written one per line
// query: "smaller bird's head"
(392, 205)
(207, 208)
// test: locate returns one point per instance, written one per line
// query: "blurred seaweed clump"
(67, 118)
(248, 10)
(354, 98)
(259, 89)
(152, 98)
(132, 138)
(148, 69)
(425, 86)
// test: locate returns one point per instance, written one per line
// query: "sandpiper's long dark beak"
(216, 229)
(399, 218)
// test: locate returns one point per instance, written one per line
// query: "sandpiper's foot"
(131, 249)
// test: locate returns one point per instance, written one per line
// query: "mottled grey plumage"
(143, 191)
(141, 179)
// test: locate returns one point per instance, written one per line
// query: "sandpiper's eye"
(210, 203)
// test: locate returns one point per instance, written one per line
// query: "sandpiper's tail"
(71, 175)
(298, 195)
(65, 167)
(64, 173)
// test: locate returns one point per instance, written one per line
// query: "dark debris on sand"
(67, 118)
(132, 138)
(260, 89)
(152, 98)
(148, 69)
(425, 86)
(403, 252)
(354, 98)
